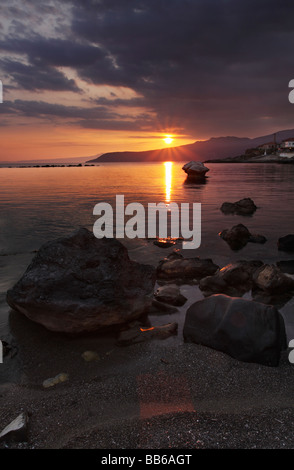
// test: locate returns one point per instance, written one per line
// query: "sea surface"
(41, 204)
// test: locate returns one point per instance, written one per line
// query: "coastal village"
(271, 152)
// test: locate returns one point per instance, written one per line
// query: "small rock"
(17, 430)
(170, 294)
(195, 170)
(271, 286)
(177, 267)
(243, 207)
(234, 279)
(90, 356)
(164, 242)
(238, 236)
(286, 266)
(286, 243)
(270, 278)
(62, 377)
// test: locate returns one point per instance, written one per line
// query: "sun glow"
(168, 139)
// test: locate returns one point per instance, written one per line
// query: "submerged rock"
(238, 236)
(246, 330)
(286, 243)
(17, 430)
(175, 266)
(243, 207)
(80, 283)
(195, 170)
(234, 279)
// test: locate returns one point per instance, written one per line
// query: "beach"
(158, 394)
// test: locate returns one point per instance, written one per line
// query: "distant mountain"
(214, 148)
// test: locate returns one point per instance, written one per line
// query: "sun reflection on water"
(168, 181)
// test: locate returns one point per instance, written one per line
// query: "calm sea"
(41, 204)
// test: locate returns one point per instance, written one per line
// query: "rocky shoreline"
(252, 158)
(201, 361)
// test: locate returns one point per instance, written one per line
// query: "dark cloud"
(201, 66)
(95, 117)
(54, 52)
(34, 78)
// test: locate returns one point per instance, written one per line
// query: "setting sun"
(168, 139)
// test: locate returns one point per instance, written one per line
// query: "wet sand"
(163, 394)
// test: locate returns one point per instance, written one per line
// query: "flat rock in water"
(17, 430)
(177, 267)
(246, 330)
(243, 207)
(80, 284)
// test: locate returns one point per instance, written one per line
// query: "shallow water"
(41, 204)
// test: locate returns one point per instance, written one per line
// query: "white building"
(288, 144)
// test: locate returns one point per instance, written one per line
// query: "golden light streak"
(168, 181)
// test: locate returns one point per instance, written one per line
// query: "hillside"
(214, 148)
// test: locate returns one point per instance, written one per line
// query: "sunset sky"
(84, 77)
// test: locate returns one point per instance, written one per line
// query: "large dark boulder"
(176, 267)
(80, 283)
(286, 243)
(246, 330)
(243, 207)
